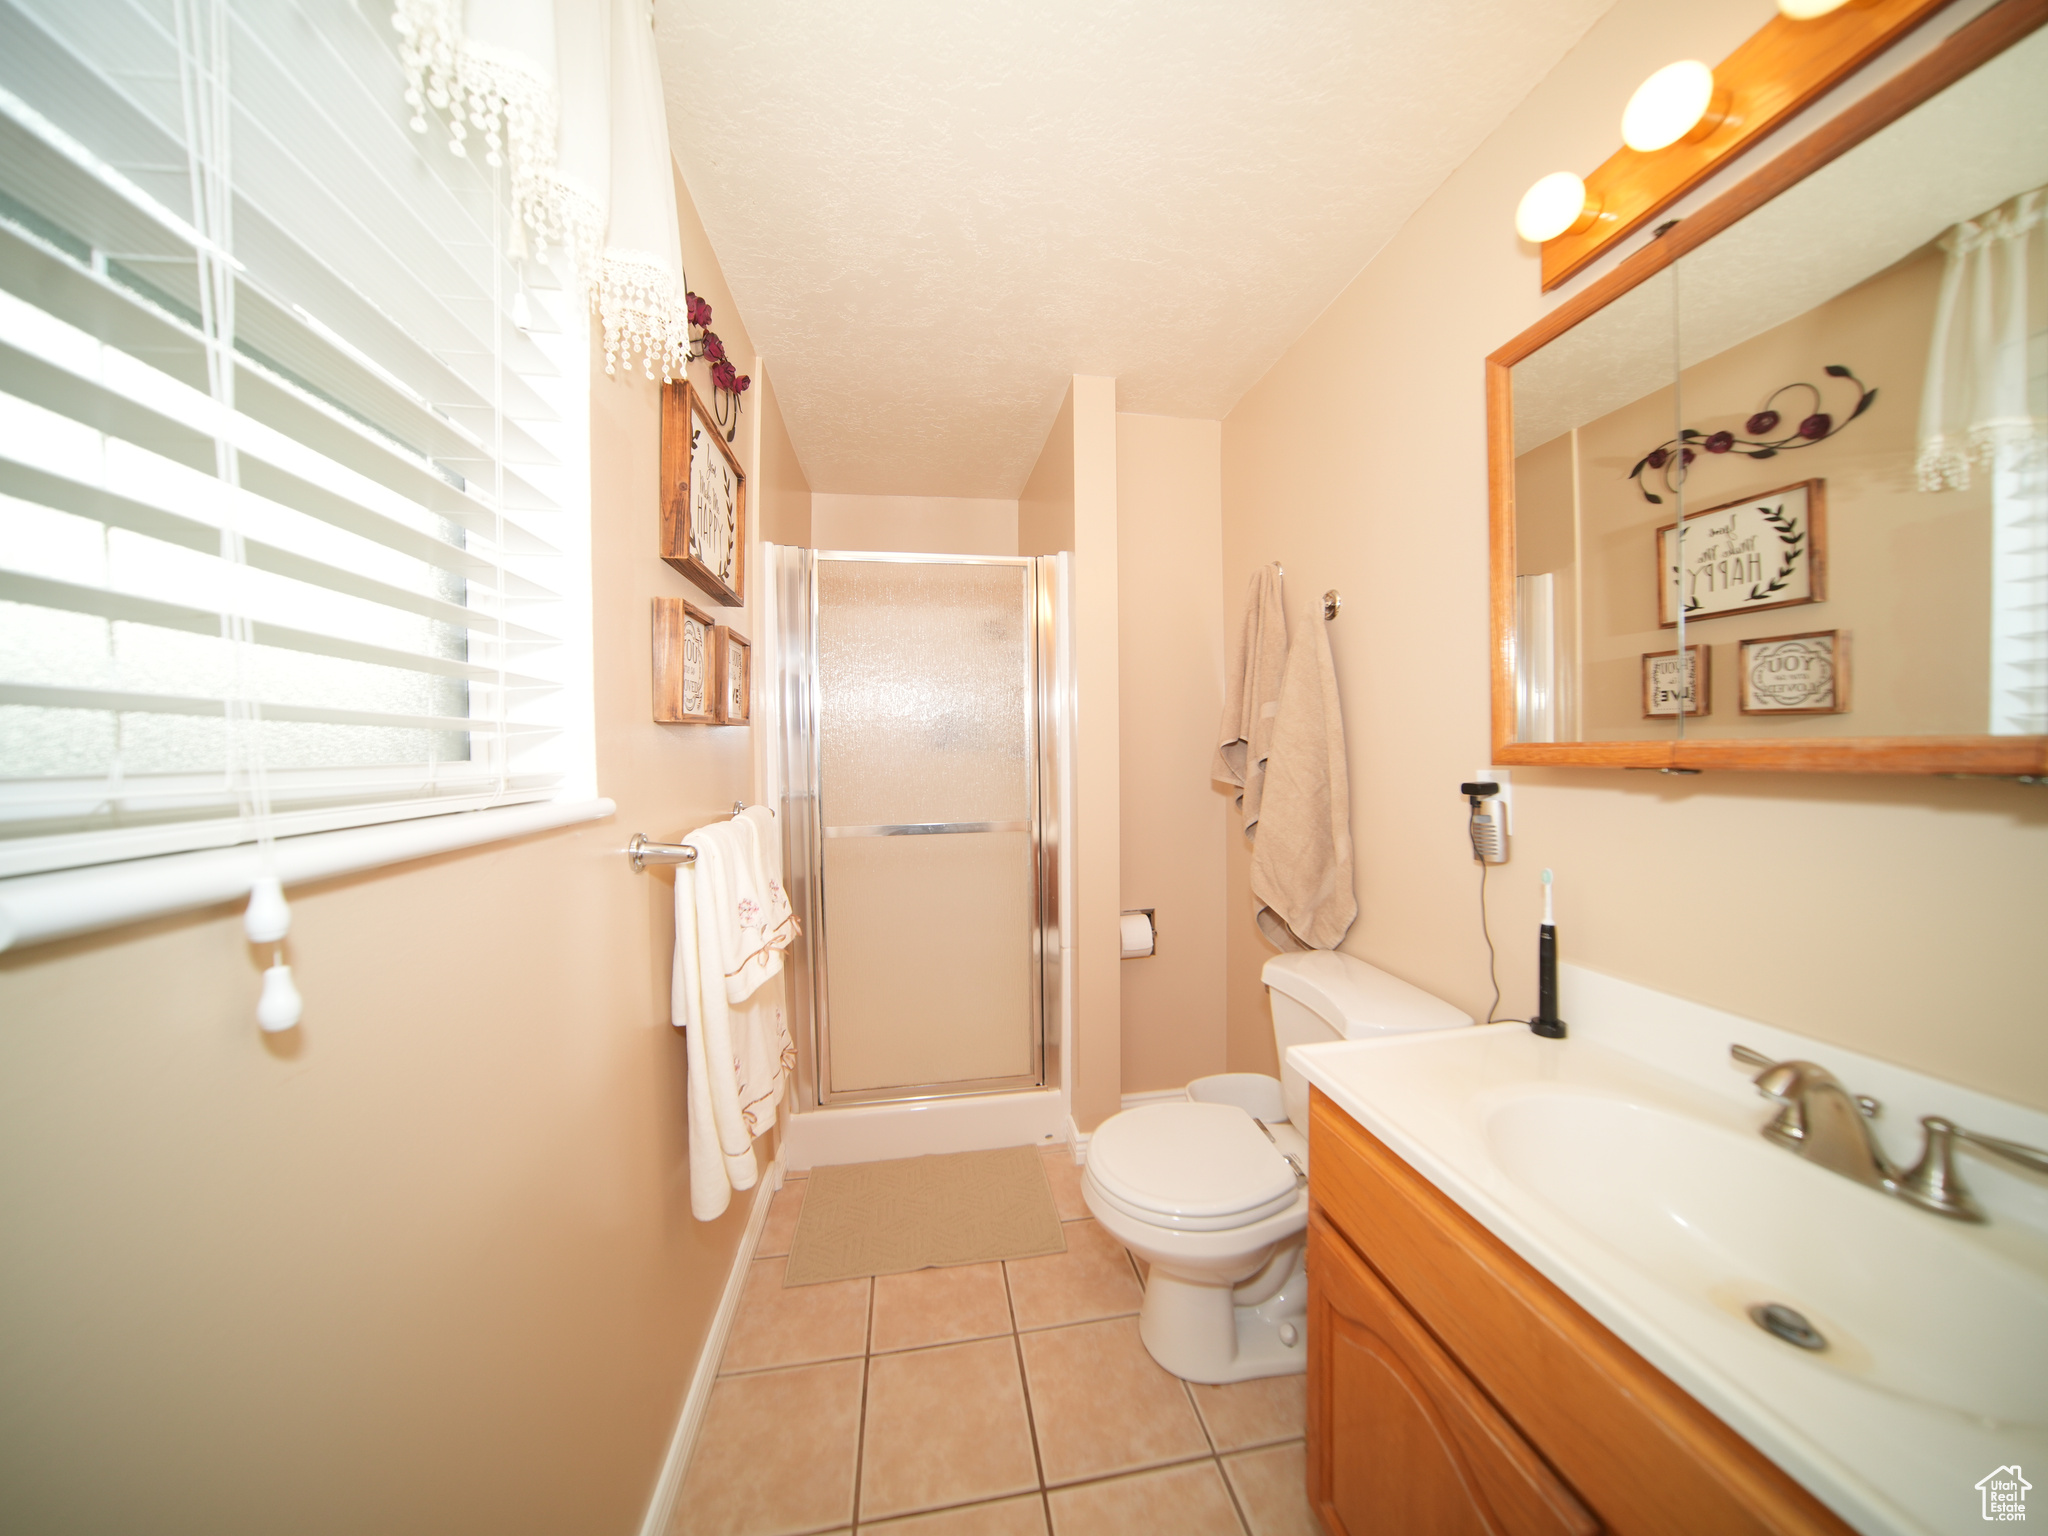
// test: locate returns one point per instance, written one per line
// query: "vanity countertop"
(1624, 1164)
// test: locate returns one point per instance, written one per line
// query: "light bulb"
(522, 311)
(1806, 10)
(267, 919)
(1667, 106)
(1556, 205)
(280, 1006)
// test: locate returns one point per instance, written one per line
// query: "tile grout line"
(1230, 1492)
(1030, 1413)
(1215, 1454)
(860, 1439)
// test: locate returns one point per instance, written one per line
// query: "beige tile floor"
(1007, 1399)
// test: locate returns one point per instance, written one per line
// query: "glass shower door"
(927, 782)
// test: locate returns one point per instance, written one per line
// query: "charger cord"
(1492, 972)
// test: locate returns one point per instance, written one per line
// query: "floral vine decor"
(728, 383)
(1670, 460)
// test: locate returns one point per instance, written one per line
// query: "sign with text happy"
(1745, 556)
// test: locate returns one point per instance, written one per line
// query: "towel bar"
(644, 852)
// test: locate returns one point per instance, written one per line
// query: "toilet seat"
(1193, 1167)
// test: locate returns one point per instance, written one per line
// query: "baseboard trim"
(661, 1508)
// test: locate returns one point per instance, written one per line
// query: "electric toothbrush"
(1546, 1022)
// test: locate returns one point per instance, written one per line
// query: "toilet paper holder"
(1151, 934)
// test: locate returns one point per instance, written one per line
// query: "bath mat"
(920, 1212)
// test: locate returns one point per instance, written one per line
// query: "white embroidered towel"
(709, 1062)
(764, 924)
(763, 1053)
(738, 1056)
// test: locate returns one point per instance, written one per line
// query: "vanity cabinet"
(1453, 1389)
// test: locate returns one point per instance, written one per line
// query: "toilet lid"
(1200, 1164)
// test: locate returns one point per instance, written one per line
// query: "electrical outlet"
(1506, 797)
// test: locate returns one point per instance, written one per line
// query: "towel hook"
(1331, 603)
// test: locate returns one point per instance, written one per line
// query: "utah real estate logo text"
(2005, 1494)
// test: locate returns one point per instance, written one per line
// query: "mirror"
(1775, 493)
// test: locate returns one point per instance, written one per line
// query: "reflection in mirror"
(1581, 404)
(1856, 443)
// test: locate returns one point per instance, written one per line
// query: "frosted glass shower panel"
(930, 979)
(924, 692)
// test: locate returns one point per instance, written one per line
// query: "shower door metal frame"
(804, 800)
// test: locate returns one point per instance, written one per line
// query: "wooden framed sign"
(1796, 674)
(1662, 686)
(686, 677)
(1745, 556)
(736, 676)
(703, 497)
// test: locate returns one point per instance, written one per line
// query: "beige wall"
(426, 1264)
(1069, 502)
(783, 495)
(1897, 916)
(1169, 505)
(1045, 507)
(931, 525)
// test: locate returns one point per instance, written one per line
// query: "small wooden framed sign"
(1662, 687)
(1745, 556)
(686, 673)
(703, 498)
(1796, 674)
(736, 677)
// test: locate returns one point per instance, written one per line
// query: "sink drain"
(1777, 1319)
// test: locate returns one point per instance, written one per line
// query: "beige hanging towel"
(1301, 860)
(1251, 693)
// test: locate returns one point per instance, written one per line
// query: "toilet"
(1215, 1204)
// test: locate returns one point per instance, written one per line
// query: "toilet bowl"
(1212, 1191)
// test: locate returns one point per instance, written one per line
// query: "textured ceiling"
(932, 212)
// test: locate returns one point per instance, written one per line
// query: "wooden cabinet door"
(1400, 1441)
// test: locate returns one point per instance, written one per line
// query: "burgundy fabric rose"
(1760, 423)
(1720, 442)
(1658, 458)
(713, 347)
(1686, 458)
(698, 311)
(741, 387)
(1816, 427)
(723, 376)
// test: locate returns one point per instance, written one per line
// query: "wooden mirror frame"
(1970, 46)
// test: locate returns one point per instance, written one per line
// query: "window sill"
(37, 908)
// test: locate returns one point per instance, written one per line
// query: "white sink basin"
(1731, 1221)
(1625, 1164)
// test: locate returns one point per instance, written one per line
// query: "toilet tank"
(1320, 994)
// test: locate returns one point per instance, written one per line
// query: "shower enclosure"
(918, 779)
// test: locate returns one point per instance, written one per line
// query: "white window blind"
(292, 521)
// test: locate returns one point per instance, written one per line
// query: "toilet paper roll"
(1137, 934)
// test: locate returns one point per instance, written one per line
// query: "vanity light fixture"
(1711, 116)
(1556, 205)
(1679, 102)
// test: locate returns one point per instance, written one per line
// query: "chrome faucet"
(1826, 1124)
(1933, 1181)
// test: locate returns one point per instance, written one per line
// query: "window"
(293, 481)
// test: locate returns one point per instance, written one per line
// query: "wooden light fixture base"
(1786, 66)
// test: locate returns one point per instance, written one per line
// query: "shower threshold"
(866, 1133)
